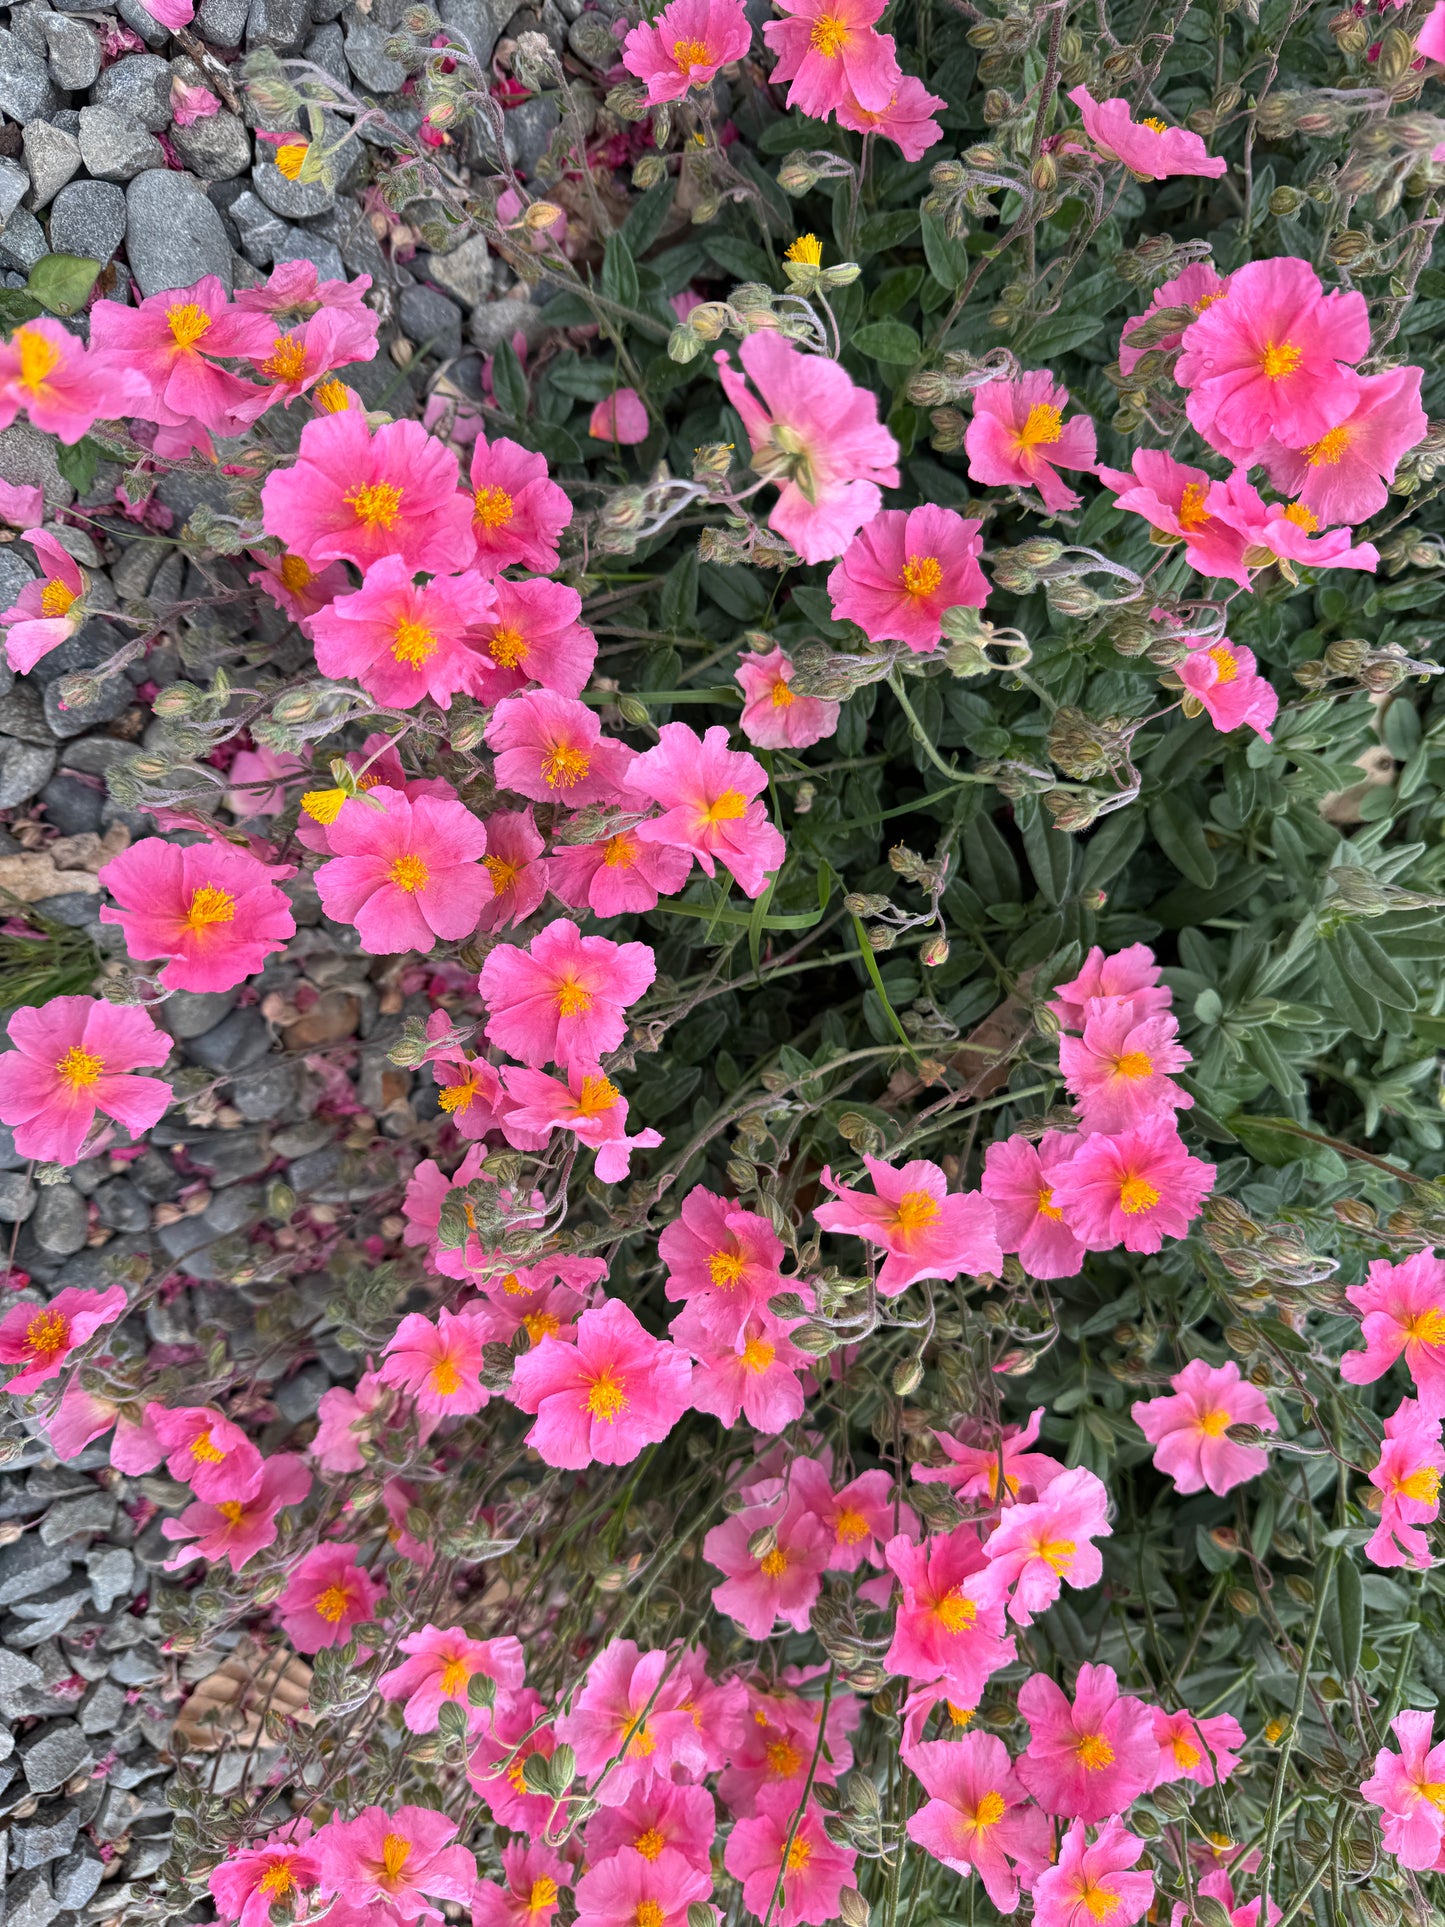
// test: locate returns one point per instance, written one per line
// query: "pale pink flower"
(562, 999)
(1120, 1071)
(814, 432)
(1134, 1190)
(169, 345)
(251, 1880)
(1090, 1882)
(1126, 976)
(258, 780)
(926, 1231)
(1223, 678)
(652, 1818)
(814, 1871)
(617, 875)
(977, 1815)
(1205, 1751)
(212, 910)
(1407, 1788)
(1195, 288)
(685, 45)
(783, 1582)
(517, 510)
(1190, 1430)
(45, 371)
(1172, 497)
(49, 609)
(1402, 1314)
(628, 1889)
(295, 288)
(533, 635)
(327, 1595)
(1407, 1478)
(904, 570)
(1035, 1547)
(907, 120)
(632, 1711)
(1149, 149)
(950, 1622)
(440, 1664)
(723, 1257)
(755, 1376)
(405, 873)
(601, 1399)
(437, 1363)
(986, 1459)
(620, 417)
(774, 717)
(830, 52)
(343, 1419)
(1018, 436)
(237, 1529)
(1344, 475)
(536, 1875)
(1018, 1182)
(40, 1338)
(708, 795)
(206, 1451)
(22, 507)
(551, 748)
(74, 1060)
(519, 881)
(403, 640)
(1090, 1757)
(588, 1104)
(404, 1860)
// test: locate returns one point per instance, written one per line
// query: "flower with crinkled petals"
(295, 288)
(1149, 149)
(469, 1091)
(1407, 1477)
(327, 1595)
(653, 1818)
(814, 1871)
(1344, 475)
(517, 510)
(1134, 1190)
(1194, 289)
(1120, 1071)
(1430, 36)
(508, 1737)
(685, 45)
(829, 51)
(532, 634)
(1205, 1751)
(1172, 497)
(950, 1624)
(49, 609)
(1284, 531)
(536, 1875)
(1018, 1182)
(977, 1816)
(904, 570)
(1089, 1757)
(403, 1860)
(1223, 679)
(1409, 1789)
(551, 748)
(403, 640)
(775, 1744)
(1091, 1883)
(631, 1710)
(40, 1338)
(588, 1103)
(1125, 976)
(206, 1451)
(297, 358)
(1190, 1430)
(1216, 1886)
(774, 715)
(405, 873)
(601, 1399)
(1018, 436)
(721, 1256)
(343, 1420)
(781, 1583)
(984, 1458)
(861, 1517)
(75, 1060)
(562, 999)
(440, 1664)
(295, 587)
(1402, 1315)
(519, 880)
(629, 1890)
(438, 1364)
(280, 1869)
(618, 874)
(237, 1529)
(46, 373)
(1034, 1548)
(258, 780)
(814, 432)
(926, 1231)
(212, 910)
(708, 795)
(171, 342)
(907, 120)
(754, 1376)
(356, 497)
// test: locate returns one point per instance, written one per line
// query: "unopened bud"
(934, 952)
(795, 176)
(684, 344)
(853, 1909)
(762, 1542)
(649, 171)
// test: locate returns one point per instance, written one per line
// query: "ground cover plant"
(877, 784)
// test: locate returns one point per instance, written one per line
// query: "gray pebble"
(234, 1044)
(494, 322)
(267, 1092)
(17, 1198)
(139, 85)
(75, 1879)
(74, 52)
(23, 241)
(138, 1666)
(326, 48)
(372, 67)
(60, 1223)
(88, 218)
(174, 236)
(191, 1013)
(216, 148)
(74, 908)
(24, 770)
(53, 1755)
(121, 1206)
(19, 1678)
(325, 257)
(28, 456)
(465, 273)
(222, 22)
(25, 90)
(14, 182)
(292, 200)
(297, 1398)
(29, 1901)
(51, 1833)
(114, 145)
(91, 1512)
(228, 1156)
(52, 155)
(530, 128)
(112, 699)
(260, 231)
(111, 1572)
(278, 23)
(143, 21)
(28, 1568)
(103, 1707)
(429, 320)
(72, 804)
(476, 25)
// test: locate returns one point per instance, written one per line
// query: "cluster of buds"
(1409, 548)
(746, 543)
(1060, 570)
(821, 671)
(1263, 1261)
(1157, 258)
(1377, 669)
(1356, 892)
(751, 309)
(801, 171)
(890, 923)
(1418, 466)
(958, 374)
(1087, 747)
(968, 636)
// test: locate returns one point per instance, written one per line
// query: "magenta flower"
(1223, 679)
(49, 609)
(344, 1418)
(861, 1518)
(1407, 1478)
(258, 780)
(813, 432)
(45, 372)
(562, 999)
(1091, 1883)
(295, 360)
(724, 1257)
(620, 417)
(533, 635)
(206, 1451)
(40, 1338)
(212, 910)
(631, 1715)
(171, 343)
(1430, 36)
(356, 497)
(1195, 288)
(1190, 1431)
(1035, 1547)
(1018, 1182)
(774, 717)
(1409, 1789)
(510, 1735)
(237, 1529)
(73, 1061)
(295, 587)
(295, 288)
(628, 1889)
(536, 1875)
(1344, 475)
(403, 640)
(438, 1364)
(588, 1103)
(708, 796)
(326, 1596)
(1216, 1886)
(926, 1231)
(1018, 436)
(1148, 148)
(1171, 497)
(599, 1400)
(903, 571)
(664, 1814)
(517, 510)
(781, 1583)
(1134, 1190)
(405, 872)
(987, 1459)
(907, 120)
(950, 1622)
(1120, 1071)
(977, 1815)
(519, 881)
(441, 1663)
(1129, 976)
(551, 748)
(775, 1740)
(1265, 359)
(1402, 1315)
(829, 51)
(1284, 531)
(753, 1376)
(814, 1871)
(404, 1860)
(251, 1880)
(1205, 1751)
(617, 875)
(685, 46)
(1087, 1759)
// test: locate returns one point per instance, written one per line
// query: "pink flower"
(356, 497)
(45, 371)
(1408, 1480)
(326, 1595)
(861, 1518)
(562, 999)
(723, 1257)
(251, 1880)
(1120, 1071)
(511, 1734)
(617, 875)
(949, 1625)
(295, 361)
(1018, 1182)
(405, 873)
(551, 749)
(191, 103)
(1034, 1548)
(49, 609)
(1402, 1314)
(1189, 1431)
(344, 1418)
(1223, 678)
(907, 120)
(1089, 1883)
(628, 1888)
(814, 432)
(72, 1061)
(632, 1711)
(1430, 37)
(1018, 435)
(829, 51)
(781, 1583)
(588, 1104)
(926, 1231)
(258, 780)
(168, 344)
(814, 1871)
(535, 1874)
(1277, 531)
(1087, 1759)
(40, 1338)
(1216, 1886)
(685, 46)
(1147, 148)
(517, 510)
(237, 1529)
(403, 1860)
(1199, 284)
(1343, 476)
(533, 635)
(754, 1376)
(22, 508)
(206, 1451)
(708, 796)
(600, 1400)
(437, 1364)
(977, 1462)
(404, 640)
(649, 1819)
(1406, 1787)
(1204, 1751)
(212, 910)
(773, 716)
(1172, 497)
(903, 570)
(775, 1742)
(977, 1815)
(1128, 976)
(619, 417)
(519, 881)
(295, 587)
(1134, 1190)
(295, 288)
(441, 1663)
(1264, 360)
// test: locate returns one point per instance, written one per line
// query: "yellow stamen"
(210, 905)
(1093, 1752)
(414, 644)
(807, 250)
(287, 359)
(1302, 517)
(829, 36)
(773, 1564)
(1099, 1901)
(1055, 1552)
(295, 574)
(726, 808)
(455, 1675)
(187, 323)
(204, 1450)
(1423, 1487)
(922, 574)
(1192, 512)
(323, 806)
(598, 1094)
(1044, 425)
(1135, 1195)
(649, 1844)
(990, 1810)
(799, 1854)
(502, 873)
(619, 850)
(290, 158)
(232, 1511)
(409, 873)
(277, 1879)
(1134, 1064)
(607, 1398)
(1155, 124)
(850, 1528)
(508, 648)
(543, 1894)
(649, 1913)
(1426, 1327)
(573, 998)
(783, 1758)
(1329, 449)
(757, 1355)
(1226, 663)
(1046, 1206)
(330, 1606)
(56, 599)
(914, 1212)
(690, 53)
(1280, 358)
(563, 766)
(47, 1332)
(79, 1068)
(374, 503)
(395, 1852)
(725, 1268)
(446, 1380)
(955, 1612)
(38, 358)
(541, 1324)
(1186, 1755)
(1214, 1425)
(457, 1097)
(783, 697)
(330, 396)
(492, 507)
(640, 1743)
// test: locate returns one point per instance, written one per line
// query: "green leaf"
(738, 919)
(568, 311)
(646, 216)
(888, 230)
(1368, 963)
(1344, 1620)
(557, 444)
(947, 260)
(15, 307)
(62, 282)
(740, 257)
(1060, 332)
(619, 272)
(870, 964)
(1049, 851)
(740, 593)
(509, 384)
(1174, 819)
(890, 341)
(679, 592)
(1353, 1003)
(80, 463)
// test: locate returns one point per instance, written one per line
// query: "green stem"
(1276, 1798)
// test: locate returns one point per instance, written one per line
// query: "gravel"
(88, 217)
(51, 155)
(74, 52)
(115, 146)
(174, 237)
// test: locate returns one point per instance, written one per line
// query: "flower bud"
(796, 176)
(853, 1909)
(934, 952)
(628, 100)
(649, 171)
(684, 344)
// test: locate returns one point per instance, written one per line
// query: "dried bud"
(853, 1909)
(649, 171)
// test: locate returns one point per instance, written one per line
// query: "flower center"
(914, 1212)
(502, 873)
(232, 1511)
(492, 507)
(619, 850)
(409, 873)
(598, 1094)
(806, 251)
(1302, 517)
(395, 1852)
(330, 396)
(1099, 1901)
(38, 358)
(1134, 1064)
(757, 1355)
(323, 806)
(1424, 1486)
(1426, 1327)
(573, 999)
(287, 359)
(1328, 450)
(455, 1675)
(649, 1844)
(203, 1449)
(1280, 358)
(563, 766)
(608, 1397)
(210, 905)
(1046, 1206)
(726, 808)
(330, 1605)
(689, 53)
(1186, 1755)
(639, 1742)
(850, 1527)
(956, 1613)
(649, 1913)
(187, 323)
(1093, 1752)
(1055, 1552)
(446, 1380)
(1215, 1424)
(78, 1068)
(277, 1878)
(799, 1854)
(922, 574)
(1154, 124)
(783, 697)
(1044, 425)
(829, 36)
(1226, 664)
(1192, 512)
(543, 1894)
(289, 159)
(725, 1268)
(374, 503)
(414, 643)
(295, 574)
(55, 599)
(782, 1756)
(541, 1324)
(48, 1332)
(990, 1809)
(458, 1097)
(773, 1564)
(508, 648)
(1137, 1194)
